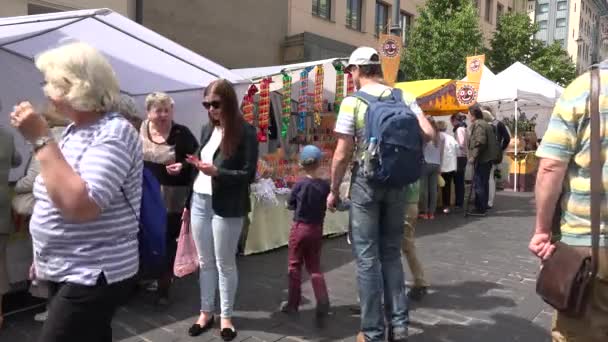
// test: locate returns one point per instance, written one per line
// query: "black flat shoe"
(228, 334)
(197, 329)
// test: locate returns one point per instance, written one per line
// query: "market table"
(270, 224)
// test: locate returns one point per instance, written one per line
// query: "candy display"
(286, 105)
(350, 84)
(248, 106)
(264, 109)
(303, 99)
(318, 96)
(339, 86)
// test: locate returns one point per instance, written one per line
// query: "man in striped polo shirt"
(566, 160)
(84, 225)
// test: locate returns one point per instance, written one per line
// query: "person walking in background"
(482, 154)
(225, 165)
(166, 145)
(9, 159)
(307, 199)
(564, 172)
(420, 287)
(462, 138)
(376, 212)
(449, 165)
(85, 237)
(429, 178)
(23, 200)
(503, 138)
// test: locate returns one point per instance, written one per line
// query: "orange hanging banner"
(475, 68)
(390, 57)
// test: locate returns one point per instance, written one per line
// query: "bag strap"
(597, 188)
(124, 194)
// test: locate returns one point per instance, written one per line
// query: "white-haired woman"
(83, 227)
(166, 146)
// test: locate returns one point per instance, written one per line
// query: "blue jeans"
(377, 215)
(216, 239)
(481, 185)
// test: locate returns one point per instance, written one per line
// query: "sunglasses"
(214, 104)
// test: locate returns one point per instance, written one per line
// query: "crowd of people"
(82, 191)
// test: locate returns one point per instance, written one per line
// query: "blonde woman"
(84, 235)
(23, 201)
(166, 145)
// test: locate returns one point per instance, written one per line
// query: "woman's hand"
(206, 168)
(174, 169)
(29, 123)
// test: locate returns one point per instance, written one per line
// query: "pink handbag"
(186, 257)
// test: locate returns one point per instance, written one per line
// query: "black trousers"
(446, 194)
(481, 185)
(79, 313)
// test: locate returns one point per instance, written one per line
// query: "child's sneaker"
(288, 309)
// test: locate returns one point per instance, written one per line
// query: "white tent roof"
(535, 94)
(143, 60)
(253, 73)
(486, 76)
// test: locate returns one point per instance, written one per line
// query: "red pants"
(305, 242)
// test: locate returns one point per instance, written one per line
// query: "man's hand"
(332, 201)
(540, 245)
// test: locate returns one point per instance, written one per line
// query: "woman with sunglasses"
(225, 167)
(166, 145)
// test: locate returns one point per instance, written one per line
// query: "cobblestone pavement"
(482, 290)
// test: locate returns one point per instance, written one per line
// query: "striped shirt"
(108, 157)
(567, 140)
(351, 121)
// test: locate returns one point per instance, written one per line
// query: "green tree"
(514, 41)
(444, 34)
(554, 63)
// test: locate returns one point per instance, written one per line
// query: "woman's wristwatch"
(42, 142)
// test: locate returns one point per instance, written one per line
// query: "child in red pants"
(308, 200)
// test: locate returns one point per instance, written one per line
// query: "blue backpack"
(152, 219)
(399, 139)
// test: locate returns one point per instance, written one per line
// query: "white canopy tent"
(519, 89)
(143, 60)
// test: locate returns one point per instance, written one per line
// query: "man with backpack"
(503, 138)
(384, 131)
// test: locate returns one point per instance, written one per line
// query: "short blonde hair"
(158, 98)
(79, 74)
(442, 126)
(54, 118)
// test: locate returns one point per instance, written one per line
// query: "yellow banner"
(475, 68)
(390, 57)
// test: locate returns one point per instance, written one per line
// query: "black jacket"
(235, 174)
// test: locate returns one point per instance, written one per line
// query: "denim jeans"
(429, 188)
(377, 215)
(481, 184)
(216, 239)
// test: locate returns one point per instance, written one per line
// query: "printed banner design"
(390, 57)
(475, 68)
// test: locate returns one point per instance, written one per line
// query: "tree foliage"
(444, 34)
(514, 42)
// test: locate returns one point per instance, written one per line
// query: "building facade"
(574, 24)
(25, 7)
(491, 10)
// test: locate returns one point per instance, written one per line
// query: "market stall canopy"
(441, 97)
(143, 60)
(523, 88)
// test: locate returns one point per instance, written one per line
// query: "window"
(405, 21)
(500, 9)
(382, 13)
(353, 14)
(509, 9)
(562, 5)
(560, 42)
(322, 8)
(488, 15)
(542, 24)
(543, 8)
(560, 22)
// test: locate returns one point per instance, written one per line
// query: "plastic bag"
(186, 257)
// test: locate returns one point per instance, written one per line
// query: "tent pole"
(516, 139)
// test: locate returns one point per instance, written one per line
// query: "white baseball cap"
(363, 56)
